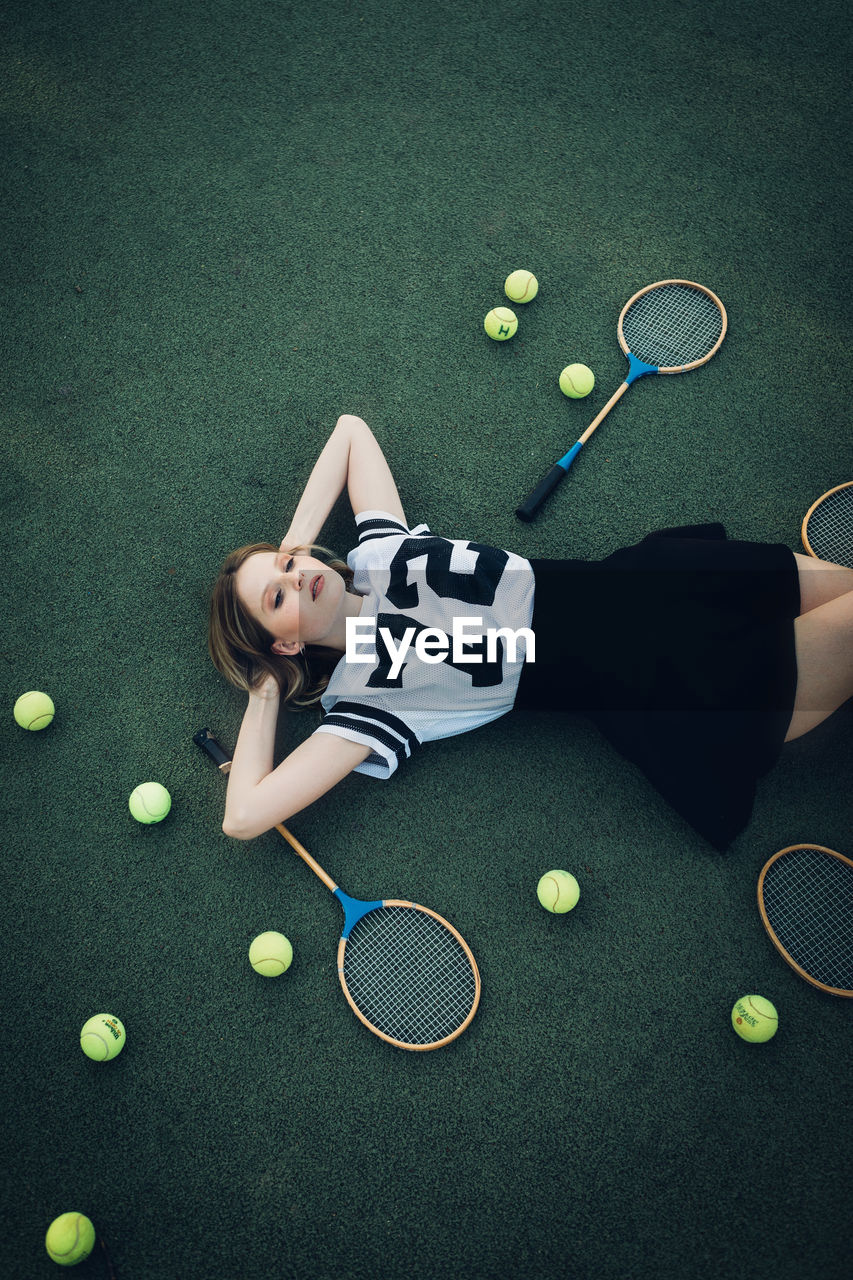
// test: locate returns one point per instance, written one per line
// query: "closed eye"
(279, 595)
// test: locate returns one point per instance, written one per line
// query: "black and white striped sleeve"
(379, 524)
(390, 739)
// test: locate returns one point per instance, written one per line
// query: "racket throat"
(354, 910)
(638, 369)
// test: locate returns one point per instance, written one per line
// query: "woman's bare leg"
(824, 642)
(821, 581)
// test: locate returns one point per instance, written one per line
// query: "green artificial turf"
(225, 224)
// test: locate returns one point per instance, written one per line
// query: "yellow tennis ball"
(521, 286)
(270, 954)
(558, 891)
(102, 1037)
(576, 381)
(150, 802)
(501, 323)
(34, 710)
(70, 1238)
(755, 1019)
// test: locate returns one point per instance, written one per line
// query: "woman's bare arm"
(258, 795)
(352, 459)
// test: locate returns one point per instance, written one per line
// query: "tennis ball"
(755, 1019)
(150, 802)
(34, 710)
(576, 381)
(558, 891)
(102, 1037)
(70, 1238)
(521, 286)
(501, 323)
(270, 954)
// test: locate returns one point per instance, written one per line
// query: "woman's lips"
(316, 586)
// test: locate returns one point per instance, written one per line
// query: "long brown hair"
(241, 648)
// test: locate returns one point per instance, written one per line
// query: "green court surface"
(224, 225)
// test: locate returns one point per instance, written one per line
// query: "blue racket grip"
(527, 510)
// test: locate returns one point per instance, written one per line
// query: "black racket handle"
(220, 757)
(527, 510)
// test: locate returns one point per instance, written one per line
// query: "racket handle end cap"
(527, 509)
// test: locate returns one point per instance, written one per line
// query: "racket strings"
(409, 975)
(829, 529)
(808, 898)
(674, 324)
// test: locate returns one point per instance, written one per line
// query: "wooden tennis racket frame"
(672, 368)
(690, 284)
(804, 535)
(792, 848)
(327, 880)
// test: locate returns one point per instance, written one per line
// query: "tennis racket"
(407, 973)
(805, 896)
(828, 526)
(669, 327)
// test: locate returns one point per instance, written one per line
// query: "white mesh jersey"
(412, 581)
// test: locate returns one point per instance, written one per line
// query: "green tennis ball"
(755, 1019)
(270, 954)
(102, 1037)
(70, 1238)
(150, 802)
(576, 381)
(558, 891)
(521, 286)
(34, 710)
(501, 323)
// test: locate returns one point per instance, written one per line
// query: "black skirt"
(681, 650)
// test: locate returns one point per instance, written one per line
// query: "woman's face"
(297, 598)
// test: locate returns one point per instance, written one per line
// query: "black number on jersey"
(478, 587)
